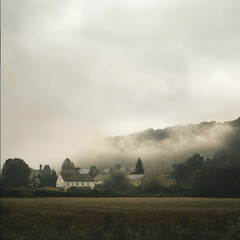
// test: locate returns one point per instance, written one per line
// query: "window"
(68, 183)
(82, 183)
(72, 183)
(77, 183)
(88, 184)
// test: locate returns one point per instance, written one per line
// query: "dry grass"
(168, 215)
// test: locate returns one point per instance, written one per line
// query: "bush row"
(96, 192)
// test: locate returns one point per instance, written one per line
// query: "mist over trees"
(152, 184)
(216, 177)
(164, 147)
(117, 181)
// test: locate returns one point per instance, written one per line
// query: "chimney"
(40, 167)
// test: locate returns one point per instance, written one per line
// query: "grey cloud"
(74, 72)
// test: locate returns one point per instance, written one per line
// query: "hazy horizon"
(75, 72)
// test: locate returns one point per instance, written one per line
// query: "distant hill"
(162, 147)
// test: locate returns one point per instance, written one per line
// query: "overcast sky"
(75, 71)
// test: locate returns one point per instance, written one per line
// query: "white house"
(99, 179)
(136, 179)
(75, 180)
(128, 170)
(107, 171)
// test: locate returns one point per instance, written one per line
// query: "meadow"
(120, 218)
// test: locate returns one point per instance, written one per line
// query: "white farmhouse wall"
(79, 184)
(92, 185)
(60, 182)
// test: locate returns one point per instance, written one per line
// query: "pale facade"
(80, 182)
(136, 179)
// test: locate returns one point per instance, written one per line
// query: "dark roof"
(34, 173)
(69, 171)
(77, 177)
(100, 177)
(47, 168)
(170, 182)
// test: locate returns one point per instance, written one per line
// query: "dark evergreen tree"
(139, 167)
(15, 173)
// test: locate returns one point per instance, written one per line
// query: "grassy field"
(120, 218)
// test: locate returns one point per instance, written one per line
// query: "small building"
(37, 174)
(170, 182)
(136, 179)
(99, 179)
(107, 171)
(83, 181)
(163, 172)
(132, 170)
(128, 170)
(207, 156)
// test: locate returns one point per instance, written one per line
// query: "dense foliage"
(48, 179)
(217, 182)
(15, 173)
(67, 164)
(216, 177)
(117, 181)
(152, 184)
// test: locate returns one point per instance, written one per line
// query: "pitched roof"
(84, 171)
(169, 182)
(77, 177)
(165, 171)
(69, 171)
(107, 170)
(132, 169)
(136, 177)
(47, 168)
(128, 169)
(34, 173)
(100, 177)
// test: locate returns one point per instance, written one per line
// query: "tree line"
(216, 177)
(16, 173)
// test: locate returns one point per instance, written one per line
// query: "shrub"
(152, 184)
